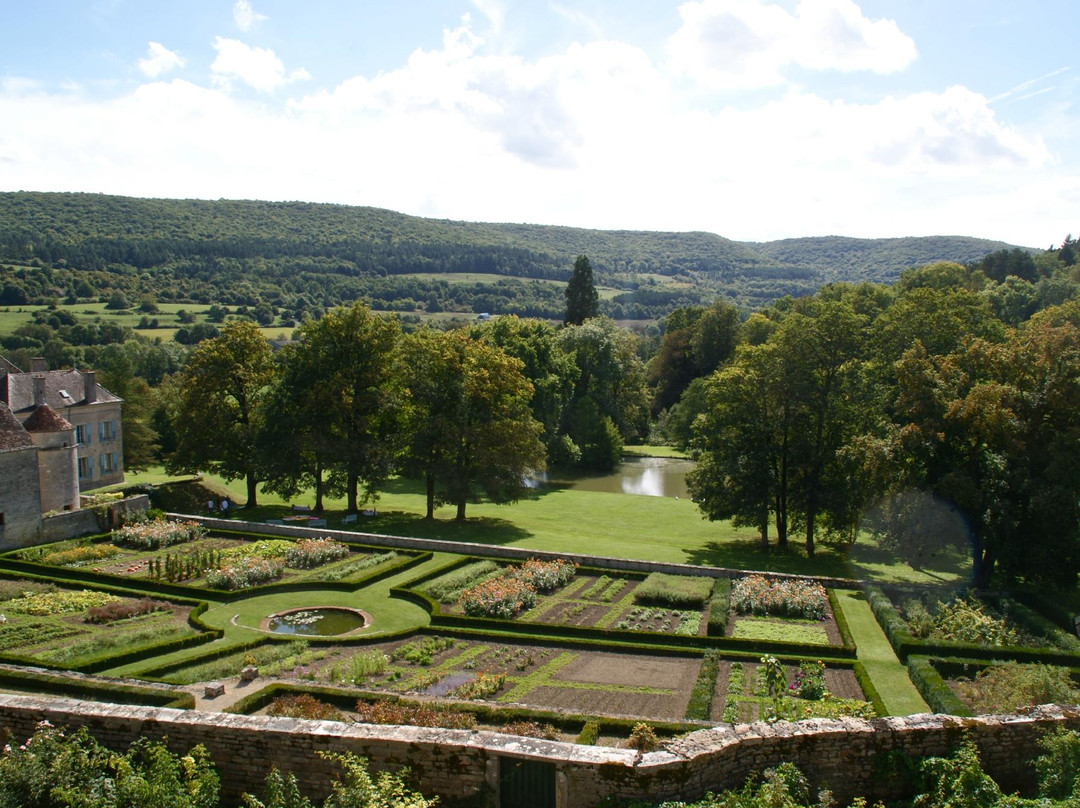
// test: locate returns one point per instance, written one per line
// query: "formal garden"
(541, 647)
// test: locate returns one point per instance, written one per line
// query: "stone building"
(77, 398)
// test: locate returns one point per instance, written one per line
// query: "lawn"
(604, 524)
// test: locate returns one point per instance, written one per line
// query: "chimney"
(39, 390)
(90, 377)
(38, 365)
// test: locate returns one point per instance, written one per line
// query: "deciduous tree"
(217, 414)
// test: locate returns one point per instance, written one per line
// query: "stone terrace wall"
(496, 551)
(851, 757)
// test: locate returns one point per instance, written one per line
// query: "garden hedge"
(95, 690)
(934, 689)
(906, 645)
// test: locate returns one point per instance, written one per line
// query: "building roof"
(46, 419)
(13, 435)
(63, 389)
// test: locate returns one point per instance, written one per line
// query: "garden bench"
(371, 512)
(348, 519)
(301, 508)
(213, 689)
(316, 523)
(275, 521)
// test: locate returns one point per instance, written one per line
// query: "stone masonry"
(850, 757)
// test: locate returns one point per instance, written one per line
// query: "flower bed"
(515, 589)
(309, 553)
(246, 572)
(756, 594)
(153, 534)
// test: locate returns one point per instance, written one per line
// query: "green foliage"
(581, 297)
(54, 768)
(699, 708)
(590, 734)
(1058, 767)
(964, 620)
(61, 601)
(357, 788)
(957, 782)
(282, 791)
(676, 591)
(719, 608)
(1008, 686)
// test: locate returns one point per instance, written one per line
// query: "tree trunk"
(430, 479)
(352, 486)
(811, 518)
(763, 525)
(460, 517)
(252, 496)
(318, 490)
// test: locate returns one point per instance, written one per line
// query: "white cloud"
(750, 43)
(159, 60)
(259, 68)
(493, 11)
(598, 135)
(245, 16)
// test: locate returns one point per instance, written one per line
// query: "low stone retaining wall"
(487, 550)
(850, 757)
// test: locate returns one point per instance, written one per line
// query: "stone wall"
(851, 757)
(20, 500)
(487, 550)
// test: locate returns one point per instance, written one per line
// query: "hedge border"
(933, 688)
(116, 693)
(906, 645)
(869, 691)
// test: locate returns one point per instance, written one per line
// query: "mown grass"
(603, 524)
(888, 675)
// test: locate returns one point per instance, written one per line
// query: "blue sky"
(754, 119)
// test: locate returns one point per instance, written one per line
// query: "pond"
(316, 622)
(645, 476)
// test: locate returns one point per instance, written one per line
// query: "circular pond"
(324, 621)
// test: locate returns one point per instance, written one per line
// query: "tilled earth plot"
(656, 687)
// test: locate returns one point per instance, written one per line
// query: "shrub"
(358, 788)
(1058, 768)
(422, 652)
(701, 697)
(1009, 686)
(719, 607)
(123, 609)
(245, 573)
(309, 553)
(675, 591)
(386, 711)
(151, 535)
(643, 738)
(590, 734)
(968, 620)
(304, 705)
(755, 594)
(369, 663)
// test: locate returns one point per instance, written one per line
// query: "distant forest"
(300, 258)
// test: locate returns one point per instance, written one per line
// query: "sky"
(753, 119)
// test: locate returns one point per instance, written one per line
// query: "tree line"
(934, 412)
(354, 400)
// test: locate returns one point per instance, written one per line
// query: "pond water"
(318, 622)
(645, 476)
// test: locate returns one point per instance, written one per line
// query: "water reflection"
(644, 476)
